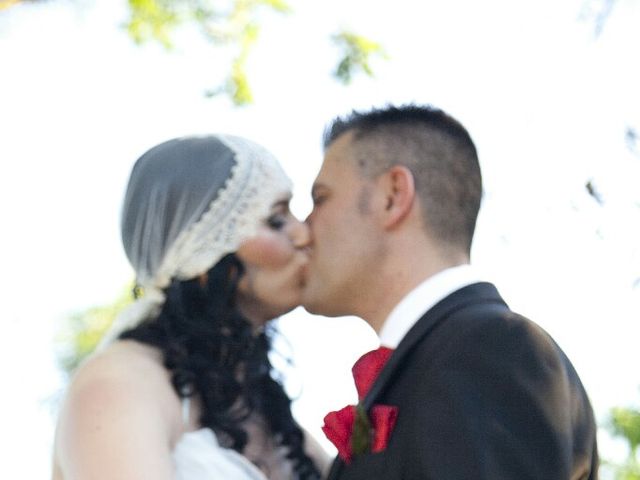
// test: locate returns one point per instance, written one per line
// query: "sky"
(546, 101)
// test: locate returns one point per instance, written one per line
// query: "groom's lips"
(304, 272)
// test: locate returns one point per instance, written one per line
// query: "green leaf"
(152, 20)
(277, 5)
(361, 436)
(357, 54)
(625, 423)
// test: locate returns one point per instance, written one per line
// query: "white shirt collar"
(419, 300)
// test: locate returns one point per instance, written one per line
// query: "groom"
(475, 390)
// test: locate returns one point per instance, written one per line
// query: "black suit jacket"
(482, 393)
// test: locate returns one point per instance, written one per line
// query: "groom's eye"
(317, 199)
(318, 194)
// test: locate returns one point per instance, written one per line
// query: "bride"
(181, 387)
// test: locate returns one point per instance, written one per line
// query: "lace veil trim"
(239, 209)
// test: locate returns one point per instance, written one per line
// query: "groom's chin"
(317, 299)
(308, 302)
(317, 306)
(308, 305)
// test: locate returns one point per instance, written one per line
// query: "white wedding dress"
(198, 456)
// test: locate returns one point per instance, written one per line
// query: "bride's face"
(273, 259)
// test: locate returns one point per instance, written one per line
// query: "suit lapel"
(471, 294)
(336, 468)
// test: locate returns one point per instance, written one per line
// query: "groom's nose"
(301, 235)
(308, 219)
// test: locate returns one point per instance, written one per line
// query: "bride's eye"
(276, 221)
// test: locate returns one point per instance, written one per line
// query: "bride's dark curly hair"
(212, 350)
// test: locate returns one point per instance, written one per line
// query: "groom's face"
(344, 240)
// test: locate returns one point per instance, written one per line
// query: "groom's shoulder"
(480, 306)
(476, 319)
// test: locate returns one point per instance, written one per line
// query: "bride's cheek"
(278, 253)
(267, 251)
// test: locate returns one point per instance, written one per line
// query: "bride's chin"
(296, 301)
(288, 301)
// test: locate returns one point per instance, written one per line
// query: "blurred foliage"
(357, 52)
(629, 472)
(233, 25)
(624, 423)
(81, 331)
(236, 24)
(225, 22)
(632, 138)
(237, 86)
(597, 12)
(593, 192)
(7, 3)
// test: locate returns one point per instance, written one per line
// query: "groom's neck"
(403, 268)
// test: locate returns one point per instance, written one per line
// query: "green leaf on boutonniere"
(361, 437)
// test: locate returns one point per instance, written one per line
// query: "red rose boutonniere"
(351, 429)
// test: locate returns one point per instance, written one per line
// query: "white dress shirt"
(423, 297)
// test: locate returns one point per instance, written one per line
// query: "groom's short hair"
(440, 154)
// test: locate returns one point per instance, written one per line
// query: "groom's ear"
(397, 187)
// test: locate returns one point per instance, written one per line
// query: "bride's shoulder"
(124, 362)
(128, 378)
(119, 400)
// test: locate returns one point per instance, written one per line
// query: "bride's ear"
(203, 279)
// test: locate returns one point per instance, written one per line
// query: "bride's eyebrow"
(282, 205)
